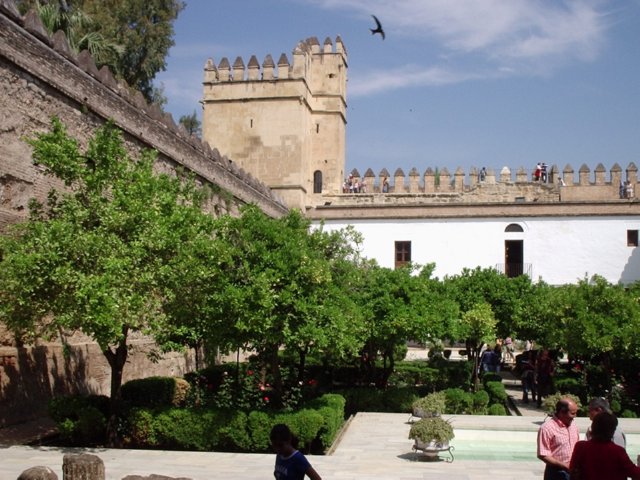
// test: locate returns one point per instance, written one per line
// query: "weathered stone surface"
(83, 466)
(153, 477)
(34, 25)
(9, 8)
(38, 473)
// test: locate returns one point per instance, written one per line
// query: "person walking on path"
(545, 368)
(600, 458)
(598, 405)
(290, 463)
(556, 439)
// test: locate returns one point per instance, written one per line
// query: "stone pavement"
(374, 446)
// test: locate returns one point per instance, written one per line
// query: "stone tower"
(284, 123)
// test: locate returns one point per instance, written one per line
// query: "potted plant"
(430, 406)
(431, 435)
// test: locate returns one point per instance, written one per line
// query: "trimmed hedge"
(371, 399)
(81, 420)
(204, 429)
(496, 391)
(155, 392)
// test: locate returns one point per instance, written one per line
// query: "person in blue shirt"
(290, 463)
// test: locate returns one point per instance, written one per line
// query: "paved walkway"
(375, 446)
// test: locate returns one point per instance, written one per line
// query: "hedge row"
(204, 429)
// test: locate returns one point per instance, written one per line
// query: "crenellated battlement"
(549, 184)
(283, 122)
(305, 55)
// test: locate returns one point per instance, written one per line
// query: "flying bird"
(378, 28)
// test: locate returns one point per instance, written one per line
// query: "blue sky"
(456, 82)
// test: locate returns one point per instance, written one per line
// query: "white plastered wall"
(559, 249)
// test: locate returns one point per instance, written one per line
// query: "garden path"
(374, 446)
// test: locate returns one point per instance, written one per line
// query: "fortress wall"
(440, 186)
(40, 78)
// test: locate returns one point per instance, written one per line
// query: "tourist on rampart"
(543, 172)
(545, 368)
(290, 463)
(557, 438)
(537, 172)
(600, 458)
(483, 174)
(385, 185)
(598, 405)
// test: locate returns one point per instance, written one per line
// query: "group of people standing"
(537, 369)
(353, 185)
(601, 456)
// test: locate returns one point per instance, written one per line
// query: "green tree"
(98, 257)
(190, 123)
(144, 28)
(132, 37)
(282, 286)
(477, 326)
(399, 306)
(81, 30)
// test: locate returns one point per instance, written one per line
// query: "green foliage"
(491, 377)
(549, 403)
(432, 428)
(284, 285)
(496, 391)
(570, 385)
(104, 256)
(628, 414)
(81, 420)
(191, 124)
(205, 429)
(480, 402)
(458, 401)
(155, 391)
(434, 403)
(497, 409)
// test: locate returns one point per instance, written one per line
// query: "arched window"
(317, 181)
(514, 227)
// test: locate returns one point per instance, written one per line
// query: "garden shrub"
(491, 377)
(80, 419)
(399, 399)
(155, 392)
(480, 402)
(305, 424)
(570, 385)
(205, 429)
(260, 424)
(549, 403)
(235, 435)
(458, 401)
(628, 414)
(496, 391)
(497, 409)
(364, 399)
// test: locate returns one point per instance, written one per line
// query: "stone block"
(82, 466)
(38, 473)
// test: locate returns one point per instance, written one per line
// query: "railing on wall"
(514, 269)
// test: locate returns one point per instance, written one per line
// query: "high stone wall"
(40, 78)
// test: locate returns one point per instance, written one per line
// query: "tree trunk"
(274, 362)
(302, 363)
(117, 359)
